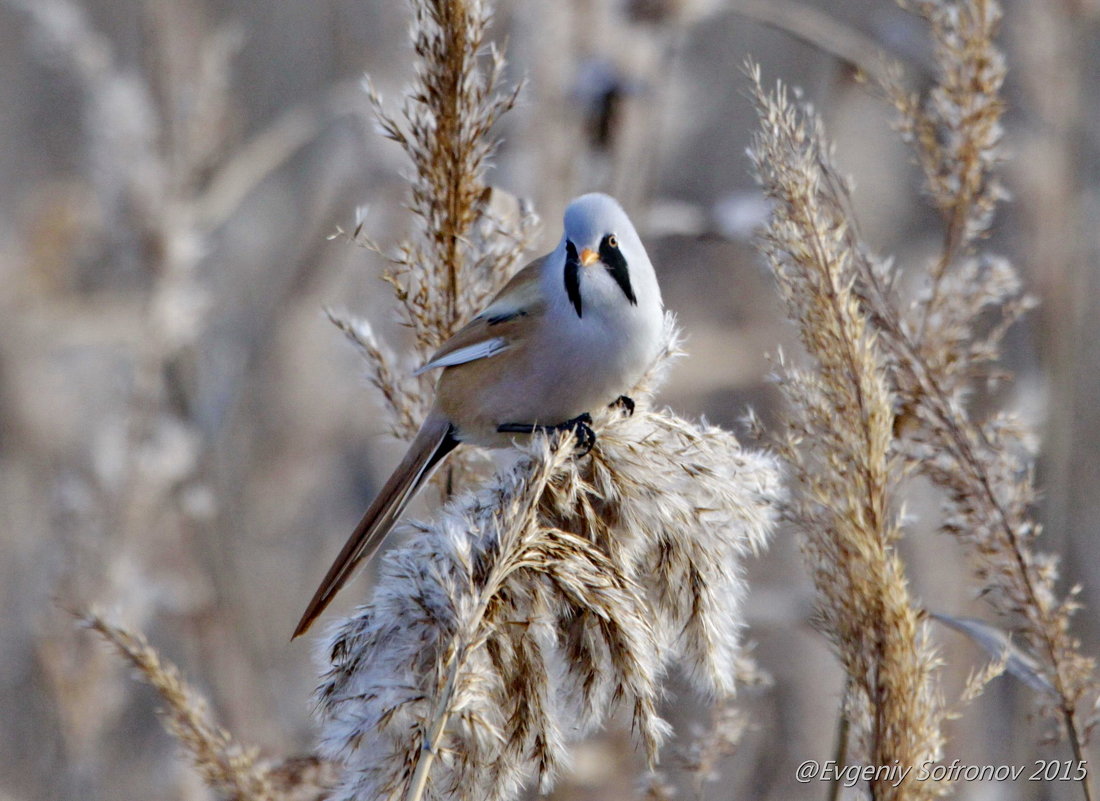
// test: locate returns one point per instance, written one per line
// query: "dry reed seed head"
(460, 617)
(986, 468)
(957, 130)
(838, 447)
(932, 347)
(225, 766)
(459, 257)
(667, 501)
(956, 133)
(403, 403)
(988, 475)
(533, 606)
(468, 239)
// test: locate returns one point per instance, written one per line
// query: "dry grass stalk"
(985, 467)
(226, 766)
(935, 348)
(468, 238)
(229, 768)
(463, 249)
(838, 447)
(530, 608)
(956, 136)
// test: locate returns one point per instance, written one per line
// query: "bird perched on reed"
(572, 331)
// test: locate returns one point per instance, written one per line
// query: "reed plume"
(467, 237)
(225, 765)
(228, 767)
(914, 375)
(466, 242)
(837, 445)
(530, 608)
(986, 467)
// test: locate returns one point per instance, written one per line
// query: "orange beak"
(589, 257)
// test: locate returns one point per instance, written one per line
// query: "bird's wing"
(500, 326)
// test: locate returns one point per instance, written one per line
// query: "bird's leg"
(581, 426)
(625, 402)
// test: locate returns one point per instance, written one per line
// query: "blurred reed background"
(185, 440)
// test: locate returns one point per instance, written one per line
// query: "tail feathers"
(434, 441)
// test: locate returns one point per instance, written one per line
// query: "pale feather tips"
(470, 353)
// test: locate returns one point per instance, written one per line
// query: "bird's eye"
(613, 240)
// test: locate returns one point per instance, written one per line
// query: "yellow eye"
(613, 241)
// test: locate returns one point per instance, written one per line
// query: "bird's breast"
(564, 368)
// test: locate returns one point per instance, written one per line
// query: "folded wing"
(500, 326)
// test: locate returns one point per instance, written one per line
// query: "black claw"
(581, 426)
(626, 403)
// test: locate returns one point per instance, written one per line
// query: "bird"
(574, 330)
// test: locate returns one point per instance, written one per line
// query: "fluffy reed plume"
(533, 606)
(957, 134)
(226, 766)
(985, 467)
(467, 237)
(838, 446)
(560, 588)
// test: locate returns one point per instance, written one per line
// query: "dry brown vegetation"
(557, 625)
(889, 391)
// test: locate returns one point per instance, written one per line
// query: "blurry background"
(186, 441)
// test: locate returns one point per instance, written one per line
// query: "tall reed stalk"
(890, 387)
(838, 446)
(986, 468)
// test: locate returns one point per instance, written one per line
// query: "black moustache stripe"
(573, 276)
(616, 265)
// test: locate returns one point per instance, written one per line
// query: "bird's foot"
(581, 426)
(624, 402)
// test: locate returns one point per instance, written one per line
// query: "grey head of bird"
(603, 264)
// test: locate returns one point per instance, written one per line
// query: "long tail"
(434, 441)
